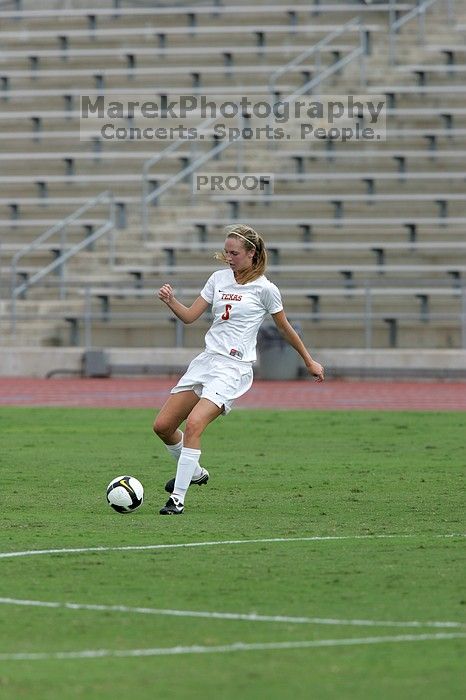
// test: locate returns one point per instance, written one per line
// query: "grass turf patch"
(273, 475)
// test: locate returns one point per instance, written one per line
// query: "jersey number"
(226, 315)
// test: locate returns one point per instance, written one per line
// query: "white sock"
(175, 451)
(187, 463)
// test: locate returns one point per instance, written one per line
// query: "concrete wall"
(38, 362)
(395, 363)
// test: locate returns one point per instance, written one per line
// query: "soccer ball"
(125, 494)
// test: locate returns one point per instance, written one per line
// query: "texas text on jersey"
(238, 311)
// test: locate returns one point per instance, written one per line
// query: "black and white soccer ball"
(125, 494)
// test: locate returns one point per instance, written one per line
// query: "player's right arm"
(187, 314)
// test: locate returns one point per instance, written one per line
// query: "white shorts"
(217, 378)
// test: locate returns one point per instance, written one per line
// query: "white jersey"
(238, 311)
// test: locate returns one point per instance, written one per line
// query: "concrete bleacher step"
(316, 333)
(320, 209)
(174, 221)
(20, 82)
(297, 235)
(421, 303)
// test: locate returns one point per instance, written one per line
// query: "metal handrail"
(315, 49)
(107, 227)
(116, 5)
(395, 24)
(360, 51)
(367, 314)
(117, 8)
(147, 196)
(311, 84)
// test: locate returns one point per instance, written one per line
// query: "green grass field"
(396, 479)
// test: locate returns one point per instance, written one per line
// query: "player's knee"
(194, 427)
(162, 427)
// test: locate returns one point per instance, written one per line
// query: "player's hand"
(165, 293)
(317, 371)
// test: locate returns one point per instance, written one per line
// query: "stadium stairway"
(351, 227)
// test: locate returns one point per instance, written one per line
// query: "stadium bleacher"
(345, 222)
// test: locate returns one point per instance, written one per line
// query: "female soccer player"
(240, 297)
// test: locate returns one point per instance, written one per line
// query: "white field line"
(140, 548)
(237, 646)
(247, 617)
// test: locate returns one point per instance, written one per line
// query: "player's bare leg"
(174, 411)
(202, 414)
(199, 418)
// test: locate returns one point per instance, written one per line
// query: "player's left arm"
(290, 335)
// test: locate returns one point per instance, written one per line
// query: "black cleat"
(172, 508)
(202, 479)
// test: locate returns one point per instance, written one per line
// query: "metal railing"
(180, 3)
(82, 322)
(61, 5)
(150, 197)
(107, 227)
(395, 23)
(360, 52)
(90, 315)
(315, 52)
